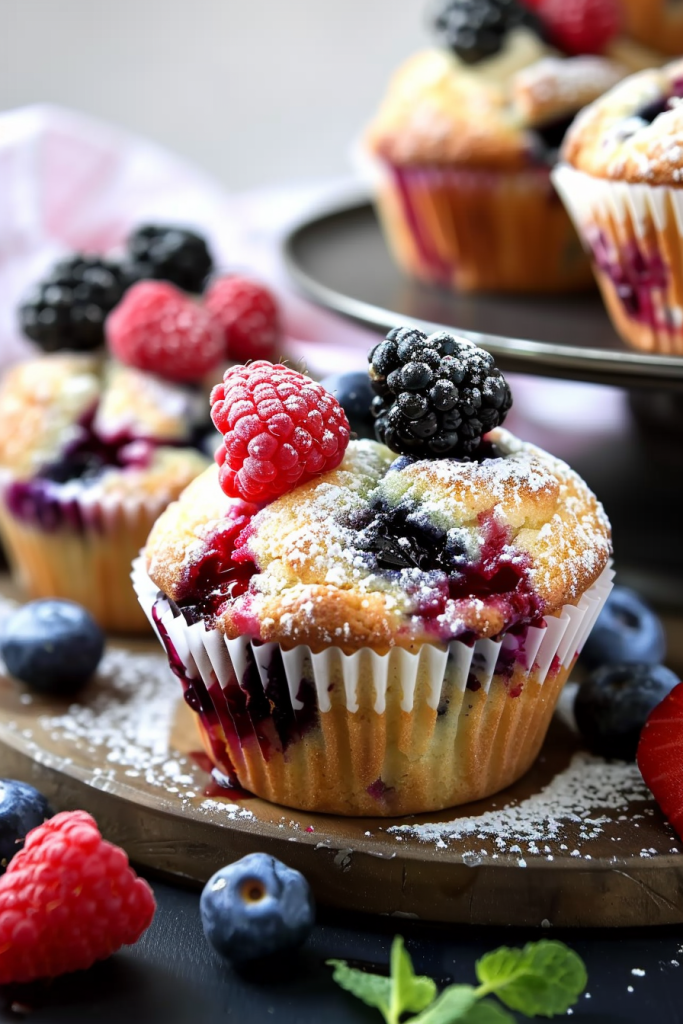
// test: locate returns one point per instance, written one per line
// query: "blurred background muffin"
(621, 180)
(463, 144)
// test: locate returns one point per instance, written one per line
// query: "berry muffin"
(657, 24)
(621, 178)
(368, 631)
(90, 454)
(462, 147)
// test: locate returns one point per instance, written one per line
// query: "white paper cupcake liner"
(634, 233)
(369, 734)
(207, 655)
(79, 546)
(585, 196)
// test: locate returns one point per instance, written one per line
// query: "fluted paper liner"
(478, 230)
(370, 734)
(88, 562)
(634, 233)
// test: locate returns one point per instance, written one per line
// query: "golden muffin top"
(634, 133)
(386, 551)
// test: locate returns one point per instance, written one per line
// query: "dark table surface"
(172, 976)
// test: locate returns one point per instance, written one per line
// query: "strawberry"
(660, 756)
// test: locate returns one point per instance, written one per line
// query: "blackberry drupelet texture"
(436, 396)
(168, 253)
(476, 29)
(67, 309)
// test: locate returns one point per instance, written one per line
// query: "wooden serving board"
(591, 850)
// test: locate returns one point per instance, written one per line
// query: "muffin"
(90, 454)
(657, 24)
(621, 179)
(391, 635)
(461, 151)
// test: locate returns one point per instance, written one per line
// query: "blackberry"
(476, 29)
(403, 537)
(167, 253)
(436, 396)
(68, 308)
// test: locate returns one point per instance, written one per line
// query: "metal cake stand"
(338, 258)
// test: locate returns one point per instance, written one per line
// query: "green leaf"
(410, 992)
(372, 989)
(404, 992)
(544, 978)
(451, 1006)
(487, 1012)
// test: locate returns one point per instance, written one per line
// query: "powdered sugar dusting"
(127, 724)
(587, 785)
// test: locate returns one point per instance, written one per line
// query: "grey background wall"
(254, 91)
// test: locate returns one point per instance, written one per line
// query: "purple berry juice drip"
(636, 277)
(274, 722)
(195, 694)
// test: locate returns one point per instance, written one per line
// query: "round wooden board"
(124, 752)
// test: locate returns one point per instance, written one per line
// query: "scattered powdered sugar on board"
(128, 722)
(586, 785)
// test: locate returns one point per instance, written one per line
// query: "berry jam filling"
(40, 501)
(222, 572)
(400, 539)
(403, 537)
(635, 276)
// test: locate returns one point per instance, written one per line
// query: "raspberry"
(660, 756)
(248, 315)
(279, 429)
(580, 26)
(158, 328)
(66, 900)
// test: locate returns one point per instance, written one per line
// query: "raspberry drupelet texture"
(248, 315)
(67, 899)
(159, 329)
(436, 396)
(279, 429)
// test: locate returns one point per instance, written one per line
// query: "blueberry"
(626, 631)
(21, 808)
(52, 646)
(611, 707)
(255, 907)
(354, 393)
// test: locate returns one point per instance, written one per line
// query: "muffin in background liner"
(634, 234)
(479, 230)
(77, 543)
(370, 734)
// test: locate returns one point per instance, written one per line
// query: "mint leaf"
(451, 1005)
(487, 1012)
(542, 979)
(410, 992)
(403, 992)
(372, 989)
